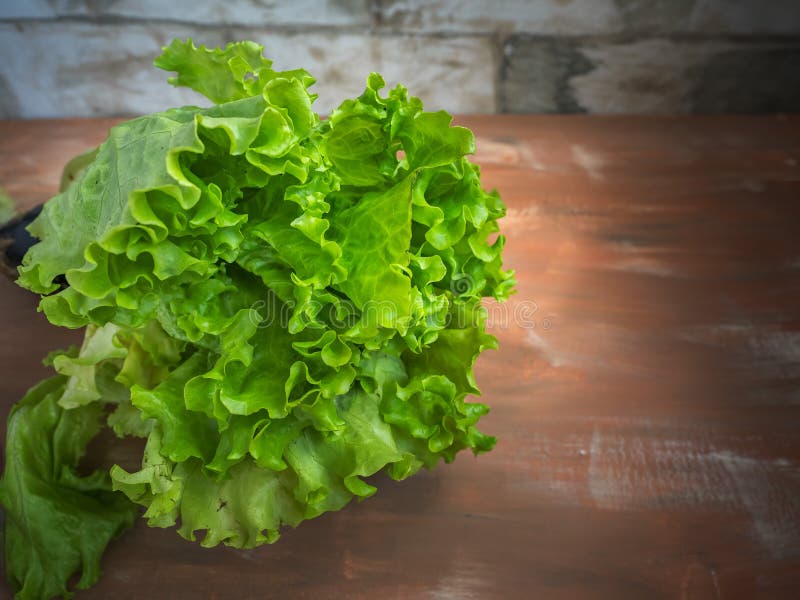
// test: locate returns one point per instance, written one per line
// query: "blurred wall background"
(94, 57)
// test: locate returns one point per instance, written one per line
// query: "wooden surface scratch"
(646, 393)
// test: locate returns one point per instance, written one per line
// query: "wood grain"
(646, 393)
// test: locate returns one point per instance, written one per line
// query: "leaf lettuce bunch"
(282, 306)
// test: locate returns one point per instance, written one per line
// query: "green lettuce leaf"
(8, 210)
(58, 522)
(322, 472)
(223, 74)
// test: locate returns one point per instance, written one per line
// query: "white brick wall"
(94, 57)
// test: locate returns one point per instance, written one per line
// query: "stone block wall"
(94, 57)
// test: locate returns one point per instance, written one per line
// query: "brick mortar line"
(630, 37)
(373, 29)
(498, 62)
(501, 67)
(291, 29)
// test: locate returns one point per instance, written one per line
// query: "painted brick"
(537, 73)
(26, 9)
(650, 76)
(663, 76)
(748, 80)
(745, 17)
(780, 17)
(549, 17)
(247, 12)
(656, 16)
(645, 76)
(71, 69)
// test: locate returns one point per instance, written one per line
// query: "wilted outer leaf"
(58, 522)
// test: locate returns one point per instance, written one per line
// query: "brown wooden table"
(648, 412)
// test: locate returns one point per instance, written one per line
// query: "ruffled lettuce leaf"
(223, 74)
(281, 305)
(319, 471)
(374, 235)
